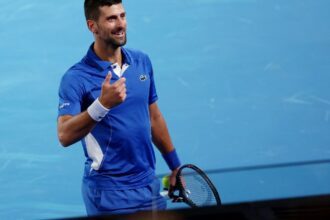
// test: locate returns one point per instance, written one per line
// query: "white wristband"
(97, 111)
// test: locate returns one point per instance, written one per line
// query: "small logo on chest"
(143, 77)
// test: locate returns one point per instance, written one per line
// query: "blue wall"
(241, 83)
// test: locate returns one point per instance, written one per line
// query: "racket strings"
(197, 189)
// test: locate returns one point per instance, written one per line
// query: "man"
(108, 101)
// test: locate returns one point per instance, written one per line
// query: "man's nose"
(121, 22)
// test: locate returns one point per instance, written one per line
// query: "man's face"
(111, 25)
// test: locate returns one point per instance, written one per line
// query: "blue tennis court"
(243, 85)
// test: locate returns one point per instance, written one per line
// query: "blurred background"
(243, 84)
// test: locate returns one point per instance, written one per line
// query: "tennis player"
(108, 102)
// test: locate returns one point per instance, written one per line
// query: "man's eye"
(111, 19)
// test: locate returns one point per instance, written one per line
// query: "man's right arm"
(71, 129)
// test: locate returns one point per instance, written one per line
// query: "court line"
(268, 166)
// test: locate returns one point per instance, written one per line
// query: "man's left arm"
(161, 138)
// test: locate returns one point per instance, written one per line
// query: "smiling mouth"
(119, 34)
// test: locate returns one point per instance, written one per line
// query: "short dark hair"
(91, 7)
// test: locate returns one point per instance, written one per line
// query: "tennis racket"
(193, 187)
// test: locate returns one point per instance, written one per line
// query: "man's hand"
(172, 179)
(112, 94)
(172, 188)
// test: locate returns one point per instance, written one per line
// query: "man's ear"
(92, 26)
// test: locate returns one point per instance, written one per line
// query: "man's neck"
(108, 53)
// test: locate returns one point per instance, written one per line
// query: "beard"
(114, 42)
(114, 39)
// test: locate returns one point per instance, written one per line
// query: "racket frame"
(182, 192)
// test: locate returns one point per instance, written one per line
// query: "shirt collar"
(94, 60)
